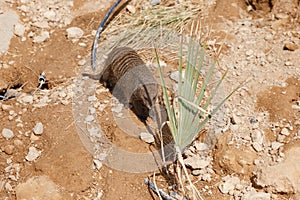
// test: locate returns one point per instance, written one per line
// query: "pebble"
(9, 149)
(253, 195)
(19, 30)
(98, 164)
(195, 162)
(74, 33)
(33, 154)
(175, 76)
(229, 184)
(44, 35)
(257, 136)
(89, 118)
(27, 99)
(38, 128)
(290, 46)
(276, 145)
(117, 108)
(200, 146)
(7, 133)
(257, 147)
(50, 15)
(147, 137)
(155, 2)
(81, 62)
(131, 9)
(285, 132)
(296, 107)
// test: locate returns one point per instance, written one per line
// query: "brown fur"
(129, 80)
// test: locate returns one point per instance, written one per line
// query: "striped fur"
(130, 80)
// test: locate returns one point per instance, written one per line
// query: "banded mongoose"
(128, 78)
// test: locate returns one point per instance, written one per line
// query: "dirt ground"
(261, 45)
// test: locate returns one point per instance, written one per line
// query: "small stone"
(257, 136)
(196, 172)
(290, 46)
(33, 154)
(7, 133)
(38, 128)
(9, 149)
(131, 9)
(19, 30)
(285, 132)
(74, 33)
(89, 118)
(280, 138)
(257, 147)
(147, 137)
(249, 52)
(82, 62)
(195, 162)
(117, 109)
(98, 164)
(200, 146)
(50, 15)
(42, 37)
(296, 107)
(155, 2)
(229, 184)
(288, 63)
(27, 99)
(92, 98)
(8, 186)
(253, 195)
(175, 76)
(276, 145)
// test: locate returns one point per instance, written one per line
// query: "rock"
(7, 22)
(9, 149)
(283, 177)
(147, 137)
(98, 164)
(131, 9)
(155, 2)
(7, 133)
(27, 99)
(257, 147)
(175, 76)
(285, 132)
(19, 30)
(200, 146)
(229, 184)
(257, 136)
(276, 145)
(81, 62)
(38, 128)
(196, 162)
(33, 154)
(118, 108)
(50, 15)
(74, 33)
(89, 118)
(290, 46)
(253, 195)
(38, 187)
(44, 35)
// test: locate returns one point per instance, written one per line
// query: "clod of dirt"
(283, 177)
(40, 187)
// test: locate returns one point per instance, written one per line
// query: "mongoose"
(128, 78)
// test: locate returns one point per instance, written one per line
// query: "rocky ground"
(256, 154)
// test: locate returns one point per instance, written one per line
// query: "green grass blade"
(170, 111)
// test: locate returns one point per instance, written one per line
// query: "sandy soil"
(261, 44)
